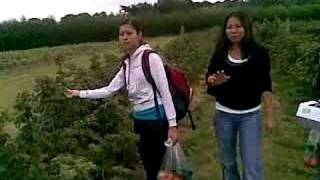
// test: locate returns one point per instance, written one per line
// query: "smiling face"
(129, 37)
(235, 31)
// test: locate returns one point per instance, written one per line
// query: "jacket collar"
(140, 49)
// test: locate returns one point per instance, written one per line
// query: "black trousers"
(152, 135)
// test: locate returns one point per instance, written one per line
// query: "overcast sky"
(10, 9)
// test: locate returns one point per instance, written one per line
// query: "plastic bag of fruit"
(175, 165)
(312, 150)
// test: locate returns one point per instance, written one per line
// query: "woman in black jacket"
(239, 77)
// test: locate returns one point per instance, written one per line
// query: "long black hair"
(248, 41)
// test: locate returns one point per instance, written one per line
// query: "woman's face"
(129, 37)
(234, 30)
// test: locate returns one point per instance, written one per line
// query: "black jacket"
(248, 80)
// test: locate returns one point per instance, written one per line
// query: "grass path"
(21, 78)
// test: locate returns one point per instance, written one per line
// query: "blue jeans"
(249, 126)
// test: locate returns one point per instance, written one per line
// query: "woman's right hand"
(173, 134)
(218, 78)
(71, 93)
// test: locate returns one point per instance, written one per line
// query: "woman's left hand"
(269, 123)
(173, 134)
(268, 111)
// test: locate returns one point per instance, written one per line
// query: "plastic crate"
(309, 124)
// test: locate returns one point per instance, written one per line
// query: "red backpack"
(180, 89)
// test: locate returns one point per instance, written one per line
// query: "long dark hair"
(248, 41)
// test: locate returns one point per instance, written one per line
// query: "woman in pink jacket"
(152, 126)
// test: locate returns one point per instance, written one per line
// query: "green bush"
(72, 138)
(191, 52)
(295, 51)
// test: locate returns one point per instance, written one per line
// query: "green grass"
(22, 77)
(283, 149)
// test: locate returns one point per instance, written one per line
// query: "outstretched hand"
(71, 93)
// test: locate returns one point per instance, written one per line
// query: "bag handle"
(147, 73)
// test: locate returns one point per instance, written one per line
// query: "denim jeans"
(249, 128)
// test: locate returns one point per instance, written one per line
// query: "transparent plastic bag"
(174, 164)
(311, 157)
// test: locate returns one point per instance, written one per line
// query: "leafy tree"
(138, 9)
(166, 6)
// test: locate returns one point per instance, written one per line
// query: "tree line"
(162, 18)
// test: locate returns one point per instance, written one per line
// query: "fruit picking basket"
(308, 114)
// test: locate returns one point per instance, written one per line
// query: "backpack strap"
(193, 126)
(124, 66)
(147, 73)
(146, 68)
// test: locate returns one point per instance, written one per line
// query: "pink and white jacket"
(139, 89)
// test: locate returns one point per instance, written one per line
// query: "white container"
(308, 114)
